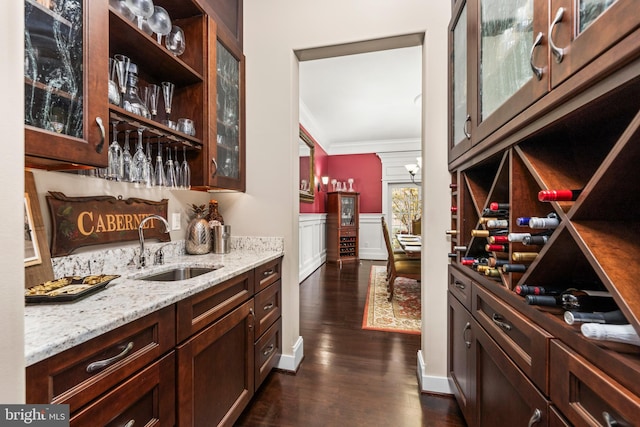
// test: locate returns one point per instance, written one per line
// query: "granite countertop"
(53, 328)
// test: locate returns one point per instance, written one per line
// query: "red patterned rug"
(403, 314)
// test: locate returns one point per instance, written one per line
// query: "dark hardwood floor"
(349, 376)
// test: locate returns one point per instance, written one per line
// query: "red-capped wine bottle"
(496, 248)
(498, 240)
(558, 195)
(496, 206)
(454, 209)
(453, 186)
(577, 300)
(614, 317)
(536, 290)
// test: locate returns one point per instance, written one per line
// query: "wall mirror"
(306, 147)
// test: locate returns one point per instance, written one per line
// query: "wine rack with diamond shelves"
(595, 148)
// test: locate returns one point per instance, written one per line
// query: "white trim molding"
(290, 363)
(312, 243)
(371, 245)
(431, 384)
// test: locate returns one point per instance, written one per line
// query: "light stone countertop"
(53, 328)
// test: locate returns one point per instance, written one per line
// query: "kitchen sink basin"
(177, 274)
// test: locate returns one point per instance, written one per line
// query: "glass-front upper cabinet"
(65, 106)
(582, 30)
(512, 70)
(459, 132)
(227, 146)
(348, 210)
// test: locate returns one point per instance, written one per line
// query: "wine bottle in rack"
(452, 232)
(517, 237)
(497, 223)
(496, 248)
(514, 268)
(460, 248)
(524, 256)
(536, 290)
(522, 221)
(535, 240)
(576, 299)
(500, 240)
(617, 333)
(487, 233)
(454, 209)
(495, 213)
(497, 262)
(550, 221)
(492, 272)
(496, 206)
(453, 186)
(558, 195)
(614, 317)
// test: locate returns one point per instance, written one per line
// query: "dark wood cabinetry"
(581, 131)
(216, 152)
(228, 340)
(343, 211)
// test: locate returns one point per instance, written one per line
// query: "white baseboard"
(431, 384)
(292, 362)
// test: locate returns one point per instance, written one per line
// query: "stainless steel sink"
(180, 273)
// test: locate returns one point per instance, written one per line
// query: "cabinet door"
(146, 399)
(504, 395)
(65, 82)
(216, 371)
(459, 64)
(459, 355)
(512, 68)
(225, 163)
(267, 351)
(582, 30)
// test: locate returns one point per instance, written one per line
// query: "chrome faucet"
(142, 261)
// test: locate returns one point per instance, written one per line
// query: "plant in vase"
(198, 239)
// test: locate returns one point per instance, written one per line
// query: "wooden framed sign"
(96, 220)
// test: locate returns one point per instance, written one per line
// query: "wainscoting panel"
(312, 245)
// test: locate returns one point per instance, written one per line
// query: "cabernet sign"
(86, 221)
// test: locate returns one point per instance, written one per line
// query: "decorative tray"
(66, 289)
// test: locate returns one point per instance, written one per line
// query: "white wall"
(11, 214)
(273, 29)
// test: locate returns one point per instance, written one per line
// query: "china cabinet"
(581, 132)
(343, 210)
(65, 83)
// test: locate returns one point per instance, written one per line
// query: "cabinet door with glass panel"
(65, 82)
(512, 69)
(226, 160)
(582, 30)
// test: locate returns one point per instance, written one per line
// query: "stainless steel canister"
(221, 239)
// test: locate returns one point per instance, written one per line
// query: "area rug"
(403, 314)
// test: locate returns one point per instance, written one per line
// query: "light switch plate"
(175, 221)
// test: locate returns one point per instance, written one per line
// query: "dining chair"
(398, 264)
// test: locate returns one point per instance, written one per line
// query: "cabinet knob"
(558, 52)
(536, 70)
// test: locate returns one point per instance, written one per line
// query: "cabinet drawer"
(348, 233)
(524, 342)
(82, 373)
(268, 273)
(147, 398)
(584, 393)
(198, 311)
(267, 352)
(268, 307)
(460, 286)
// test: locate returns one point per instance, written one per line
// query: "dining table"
(411, 244)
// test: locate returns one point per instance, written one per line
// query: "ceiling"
(363, 103)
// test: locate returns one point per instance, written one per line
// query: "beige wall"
(273, 30)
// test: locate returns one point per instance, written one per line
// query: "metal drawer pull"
(459, 284)
(535, 418)
(466, 328)
(102, 136)
(213, 160)
(499, 320)
(536, 70)
(130, 423)
(268, 307)
(268, 273)
(101, 364)
(253, 318)
(609, 421)
(558, 52)
(464, 127)
(269, 350)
